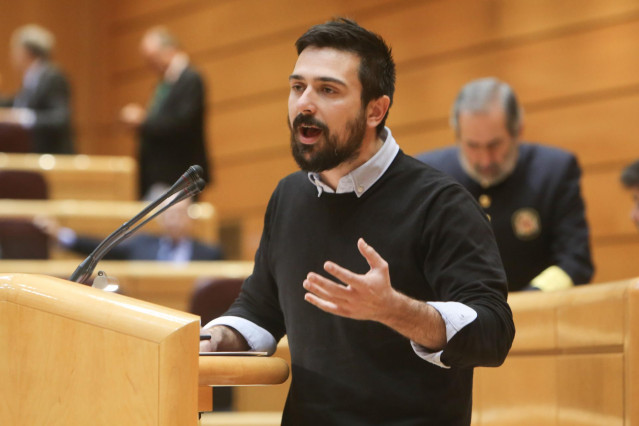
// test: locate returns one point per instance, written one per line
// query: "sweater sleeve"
(462, 264)
(258, 301)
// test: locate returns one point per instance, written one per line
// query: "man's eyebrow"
(323, 79)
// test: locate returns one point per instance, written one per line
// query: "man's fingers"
(372, 257)
(342, 274)
(324, 287)
(205, 346)
(322, 304)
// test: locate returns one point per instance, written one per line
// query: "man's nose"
(306, 102)
(485, 158)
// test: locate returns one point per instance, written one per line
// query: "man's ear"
(376, 110)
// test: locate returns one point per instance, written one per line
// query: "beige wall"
(572, 62)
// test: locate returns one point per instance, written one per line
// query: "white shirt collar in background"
(178, 64)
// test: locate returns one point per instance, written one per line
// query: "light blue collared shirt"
(455, 315)
(363, 177)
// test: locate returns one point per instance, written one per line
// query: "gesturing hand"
(364, 297)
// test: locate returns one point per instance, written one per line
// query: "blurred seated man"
(175, 244)
(43, 103)
(530, 192)
(630, 179)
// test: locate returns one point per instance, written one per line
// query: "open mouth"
(309, 134)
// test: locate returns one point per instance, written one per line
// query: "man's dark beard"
(328, 153)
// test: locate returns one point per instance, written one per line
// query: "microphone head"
(199, 186)
(194, 172)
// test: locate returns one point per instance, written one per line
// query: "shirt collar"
(32, 74)
(180, 252)
(177, 65)
(363, 177)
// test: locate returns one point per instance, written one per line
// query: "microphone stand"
(193, 189)
(190, 183)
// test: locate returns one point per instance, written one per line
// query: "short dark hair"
(376, 69)
(630, 175)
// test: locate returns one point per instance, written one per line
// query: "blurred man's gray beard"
(486, 182)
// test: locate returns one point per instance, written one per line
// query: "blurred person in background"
(171, 129)
(530, 192)
(175, 243)
(630, 180)
(43, 103)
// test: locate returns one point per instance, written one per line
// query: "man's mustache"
(309, 120)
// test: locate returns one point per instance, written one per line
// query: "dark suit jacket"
(50, 100)
(537, 213)
(172, 138)
(143, 247)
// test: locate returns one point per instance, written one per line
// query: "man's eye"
(328, 90)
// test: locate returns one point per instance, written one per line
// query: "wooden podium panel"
(574, 360)
(242, 370)
(71, 354)
(80, 177)
(525, 399)
(74, 355)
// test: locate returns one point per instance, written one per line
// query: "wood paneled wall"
(79, 27)
(573, 64)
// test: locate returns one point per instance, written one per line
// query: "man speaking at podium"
(383, 273)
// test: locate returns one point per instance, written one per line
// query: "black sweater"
(439, 247)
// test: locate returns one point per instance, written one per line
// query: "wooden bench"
(81, 177)
(100, 218)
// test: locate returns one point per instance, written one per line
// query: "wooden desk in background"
(100, 218)
(81, 177)
(162, 283)
(574, 361)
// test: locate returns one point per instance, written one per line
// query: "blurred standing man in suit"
(171, 129)
(43, 103)
(531, 192)
(630, 179)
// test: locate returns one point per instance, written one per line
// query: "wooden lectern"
(74, 355)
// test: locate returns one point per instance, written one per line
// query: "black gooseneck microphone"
(189, 184)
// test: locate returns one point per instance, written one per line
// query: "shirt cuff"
(26, 117)
(258, 339)
(67, 237)
(456, 316)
